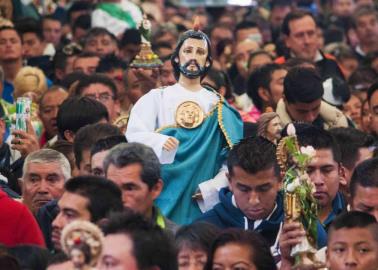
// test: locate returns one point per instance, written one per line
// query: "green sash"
(200, 155)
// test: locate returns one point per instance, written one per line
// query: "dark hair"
(350, 140)
(107, 143)
(76, 112)
(66, 148)
(372, 89)
(196, 236)
(151, 246)
(296, 62)
(195, 35)
(83, 22)
(261, 77)
(7, 261)
(86, 55)
(6, 27)
(52, 18)
(29, 25)
(52, 89)
(30, 257)
(318, 138)
(57, 258)
(100, 31)
(252, 55)
(88, 135)
(71, 78)
(78, 6)
(259, 250)
(161, 44)
(354, 219)
(292, 16)
(280, 3)
(365, 175)
(361, 79)
(253, 154)
(130, 153)
(211, 28)
(303, 85)
(221, 78)
(245, 25)
(93, 79)
(109, 63)
(130, 36)
(103, 195)
(362, 11)
(60, 60)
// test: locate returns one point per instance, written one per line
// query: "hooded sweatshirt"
(226, 214)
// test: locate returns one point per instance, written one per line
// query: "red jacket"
(17, 224)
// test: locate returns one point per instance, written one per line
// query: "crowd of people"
(173, 163)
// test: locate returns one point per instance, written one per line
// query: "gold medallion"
(189, 115)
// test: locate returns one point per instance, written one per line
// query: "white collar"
(256, 223)
(360, 51)
(318, 56)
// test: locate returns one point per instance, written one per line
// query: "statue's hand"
(171, 144)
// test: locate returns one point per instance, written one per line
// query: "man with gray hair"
(44, 173)
(135, 168)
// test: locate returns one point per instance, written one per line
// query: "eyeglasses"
(104, 97)
(72, 49)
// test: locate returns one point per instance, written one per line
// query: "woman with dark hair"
(193, 244)
(30, 257)
(238, 249)
(7, 261)
(220, 82)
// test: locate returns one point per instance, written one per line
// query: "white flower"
(291, 130)
(308, 150)
(293, 185)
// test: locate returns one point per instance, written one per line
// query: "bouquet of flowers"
(300, 204)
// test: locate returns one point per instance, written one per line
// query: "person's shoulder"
(16, 208)
(155, 93)
(211, 217)
(332, 116)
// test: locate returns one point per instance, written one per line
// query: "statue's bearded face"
(192, 58)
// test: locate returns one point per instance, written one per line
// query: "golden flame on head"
(196, 24)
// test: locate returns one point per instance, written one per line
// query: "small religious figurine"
(269, 126)
(300, 204)
(31, 82)
(190, 128)
(146, 58)
(82, 242)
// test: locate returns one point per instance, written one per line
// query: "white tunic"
(157, 109)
